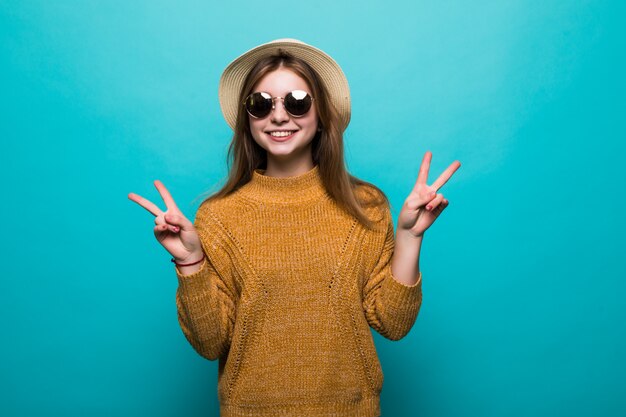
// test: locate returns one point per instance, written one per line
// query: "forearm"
(406, 255)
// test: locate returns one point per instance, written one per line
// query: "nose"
(279, 114)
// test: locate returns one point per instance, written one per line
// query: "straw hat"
(328, 70)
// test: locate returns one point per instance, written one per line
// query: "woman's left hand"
(422, 207)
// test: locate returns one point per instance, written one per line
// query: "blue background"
(524, 272)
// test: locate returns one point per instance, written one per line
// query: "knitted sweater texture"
(286, 296)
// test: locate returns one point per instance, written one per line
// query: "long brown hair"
(327, 145)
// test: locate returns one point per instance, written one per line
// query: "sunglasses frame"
(274, 104)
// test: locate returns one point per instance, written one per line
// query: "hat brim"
(233, 77)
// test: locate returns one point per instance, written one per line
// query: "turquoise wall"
(524, 274)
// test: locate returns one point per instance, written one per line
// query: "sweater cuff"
(401, 294)
(196, 281)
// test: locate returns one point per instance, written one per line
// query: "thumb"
(415, 202)
(180, 221)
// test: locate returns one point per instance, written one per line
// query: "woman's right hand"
(173, 230)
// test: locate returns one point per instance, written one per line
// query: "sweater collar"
(300, 188)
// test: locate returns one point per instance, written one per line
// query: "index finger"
(147, 204)
(445, 175)
(167, 197)
(422, 177)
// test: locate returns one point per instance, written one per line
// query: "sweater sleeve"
(206, 311)
(390, 306)
(206, 308)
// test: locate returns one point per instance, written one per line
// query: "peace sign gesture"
(177, 234)
(424, 205)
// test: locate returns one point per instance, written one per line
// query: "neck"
(291, 167)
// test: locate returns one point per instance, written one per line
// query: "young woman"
(288, 265)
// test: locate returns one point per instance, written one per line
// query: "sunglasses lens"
(298, 102)
(259, 104)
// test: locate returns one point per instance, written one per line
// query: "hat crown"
(287, 40)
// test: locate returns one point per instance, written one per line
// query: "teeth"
(281, 134)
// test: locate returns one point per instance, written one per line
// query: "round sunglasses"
(297, 103)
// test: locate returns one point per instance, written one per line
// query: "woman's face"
(269, 132)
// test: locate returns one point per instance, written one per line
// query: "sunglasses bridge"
(274, 103)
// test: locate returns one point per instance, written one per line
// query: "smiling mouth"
(282, 133)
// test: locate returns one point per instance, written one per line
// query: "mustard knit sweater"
(287, 296)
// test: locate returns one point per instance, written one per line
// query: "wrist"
(408, 237)
(192, 259)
